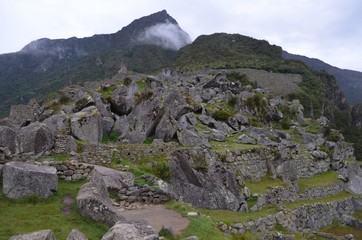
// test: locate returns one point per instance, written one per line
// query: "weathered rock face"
(7, 138)
(103, 107)
(200, 179)
(128, 231)
(57, 123)
(40, 235)
(167, 128)
(93, 202)
(114, 179)
(191, 139)
(35, 138)
(87, 125)
(76, 235)
(123, 99)
(24, 179)
(23, 114)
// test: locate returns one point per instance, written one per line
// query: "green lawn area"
(264, 184)
(323, 179)
(34, 214)
(299, 203)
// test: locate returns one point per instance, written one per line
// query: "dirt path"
(67, 204)
(157, 216)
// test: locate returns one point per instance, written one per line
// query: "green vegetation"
(242, 78)
(323, 179)
(112, 138)
(61, 157)
(34, 214)
(203, 227)
(340, 230)
(222, 115)
(154, 165)
(299, 203)
(264, 184)
(258, 103)
(106, 91)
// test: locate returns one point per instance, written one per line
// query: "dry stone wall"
(251, 164)
(306, 218)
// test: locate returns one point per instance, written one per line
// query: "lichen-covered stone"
(76, 235)
(40, 235)
(128, 231)
(25, 179)
(35, 138)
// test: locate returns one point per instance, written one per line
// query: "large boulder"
(76, 235)
(191, 138)
(93, 202)
(167, 128)
(123, 99)
(128, 231)
(57, 122)
(114, 179)
(202, 180)
(35, 138)
(7, 138)
(24, 114)
(22, 179)
(102, 105)
(40, 235)
(87, 125)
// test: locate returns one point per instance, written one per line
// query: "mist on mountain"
(167, 35)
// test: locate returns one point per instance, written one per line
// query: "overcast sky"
(330, 30)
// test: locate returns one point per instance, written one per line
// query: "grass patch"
(323, 179)
(203, 227)
(60, 157)
(230, 144)
(336, 197)
(264, 184)
(339, 230)
(34, 214)
(230, 217)
(109, 138)
(313, 126)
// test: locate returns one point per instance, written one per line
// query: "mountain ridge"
(350, 81)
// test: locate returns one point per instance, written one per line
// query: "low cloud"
(167, 35)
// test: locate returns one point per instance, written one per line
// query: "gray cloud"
(166, 35)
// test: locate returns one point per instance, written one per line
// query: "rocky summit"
(240, 152)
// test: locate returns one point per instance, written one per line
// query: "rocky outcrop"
(40, 235)
(76, 235)
(202, 180)
(125, 231)
(191, 139)
(24, 179)
(35, 138)
(93, 202)
(87, 125)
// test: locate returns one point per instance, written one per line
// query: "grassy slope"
(32, 214)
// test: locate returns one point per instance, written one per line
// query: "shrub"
(222, 115)
(109, 138)
(162, 170)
